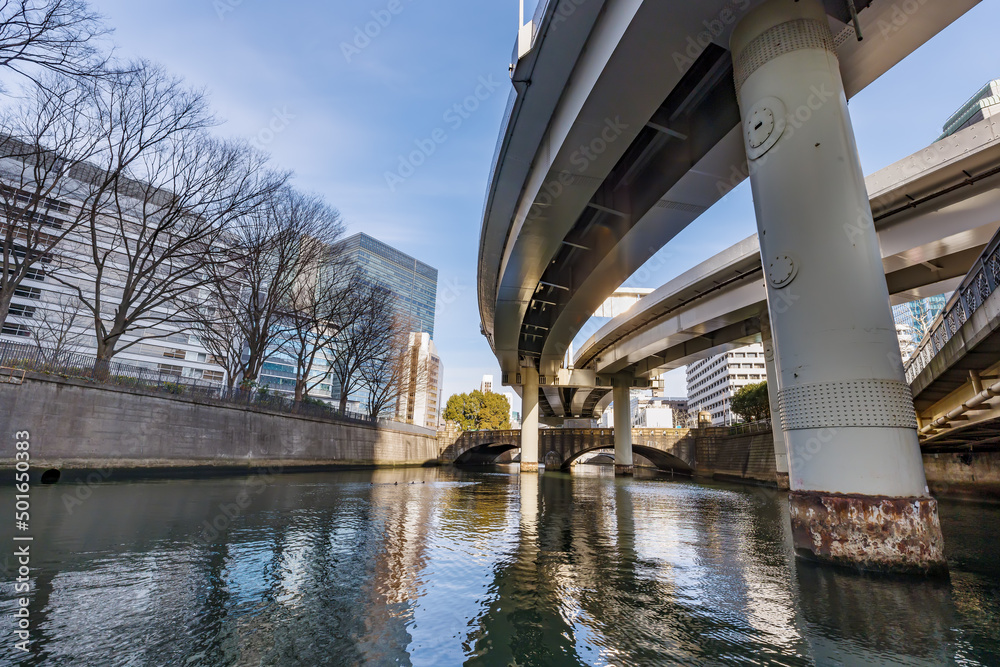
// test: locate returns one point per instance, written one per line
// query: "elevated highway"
(622, 129)
(935, 211)
(633, 117)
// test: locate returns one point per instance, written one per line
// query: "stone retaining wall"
(75, 424)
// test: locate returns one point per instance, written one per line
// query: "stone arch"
(661, 459)
(484, 454)
(552, 460)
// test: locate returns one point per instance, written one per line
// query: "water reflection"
(441, 567)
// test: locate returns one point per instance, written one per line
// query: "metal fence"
(978, 285)
(16, 358)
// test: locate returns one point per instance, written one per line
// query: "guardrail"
(979, 284)
(24, 357)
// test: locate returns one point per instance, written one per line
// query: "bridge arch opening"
(662, 460)
(482, 455)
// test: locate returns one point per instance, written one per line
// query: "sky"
(343, 111)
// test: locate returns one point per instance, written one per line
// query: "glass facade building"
(914, 319)
(413, 282)
(918, 315)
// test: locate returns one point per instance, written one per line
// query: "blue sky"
(341, 118)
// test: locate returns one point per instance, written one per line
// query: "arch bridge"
(667, 449)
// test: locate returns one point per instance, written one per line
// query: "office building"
(914, 319)
(711, 382)
(413, 282)
(486, 386)
(656, 413)
(984, 104)
(419, 400)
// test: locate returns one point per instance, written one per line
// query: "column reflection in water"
(475, 568)
(524, 624)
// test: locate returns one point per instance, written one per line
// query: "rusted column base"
(782, 480)
(868, 532)
(623, 470)
(529, 467)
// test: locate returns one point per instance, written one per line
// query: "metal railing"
(979, 284)
(86, 367)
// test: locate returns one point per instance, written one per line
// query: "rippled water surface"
(445, 567)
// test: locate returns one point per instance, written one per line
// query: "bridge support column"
(529, 420)
(858, 492)
(623, 425)
(780, 447)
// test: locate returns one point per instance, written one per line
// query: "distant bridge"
(667, 449)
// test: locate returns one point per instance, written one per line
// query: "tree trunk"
(5, 297)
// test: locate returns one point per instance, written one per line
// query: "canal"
(448, 567)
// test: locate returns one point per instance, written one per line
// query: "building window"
(28, 292)
(213, 376)
(21, 310)
(15, 330)
(174, 354)
(169, 369)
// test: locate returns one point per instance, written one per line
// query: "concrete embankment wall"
(745, 457)
(750, 458)
(75, 424)
(967, 475)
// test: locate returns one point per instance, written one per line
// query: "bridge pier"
(529, 420)
(858, 492)
(623, 425)
(778, 433)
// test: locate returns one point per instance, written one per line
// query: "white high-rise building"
(486, 386)
(419, 400)
(44, 311)
(711, 382)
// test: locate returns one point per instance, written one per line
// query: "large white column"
(773, 385)
(623, 425)
(855, 460)
(529, 420)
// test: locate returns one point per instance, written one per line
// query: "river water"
(448, 567)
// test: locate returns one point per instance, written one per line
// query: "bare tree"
(157, 199)
(271, 252)
(318, 311)
(42, 140)
(59, 330)
(62, 36)
(392, 370)
(372, 308)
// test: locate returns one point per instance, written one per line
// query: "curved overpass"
(624, 129)
(935, 211)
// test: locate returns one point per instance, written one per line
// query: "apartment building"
(711, 382)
